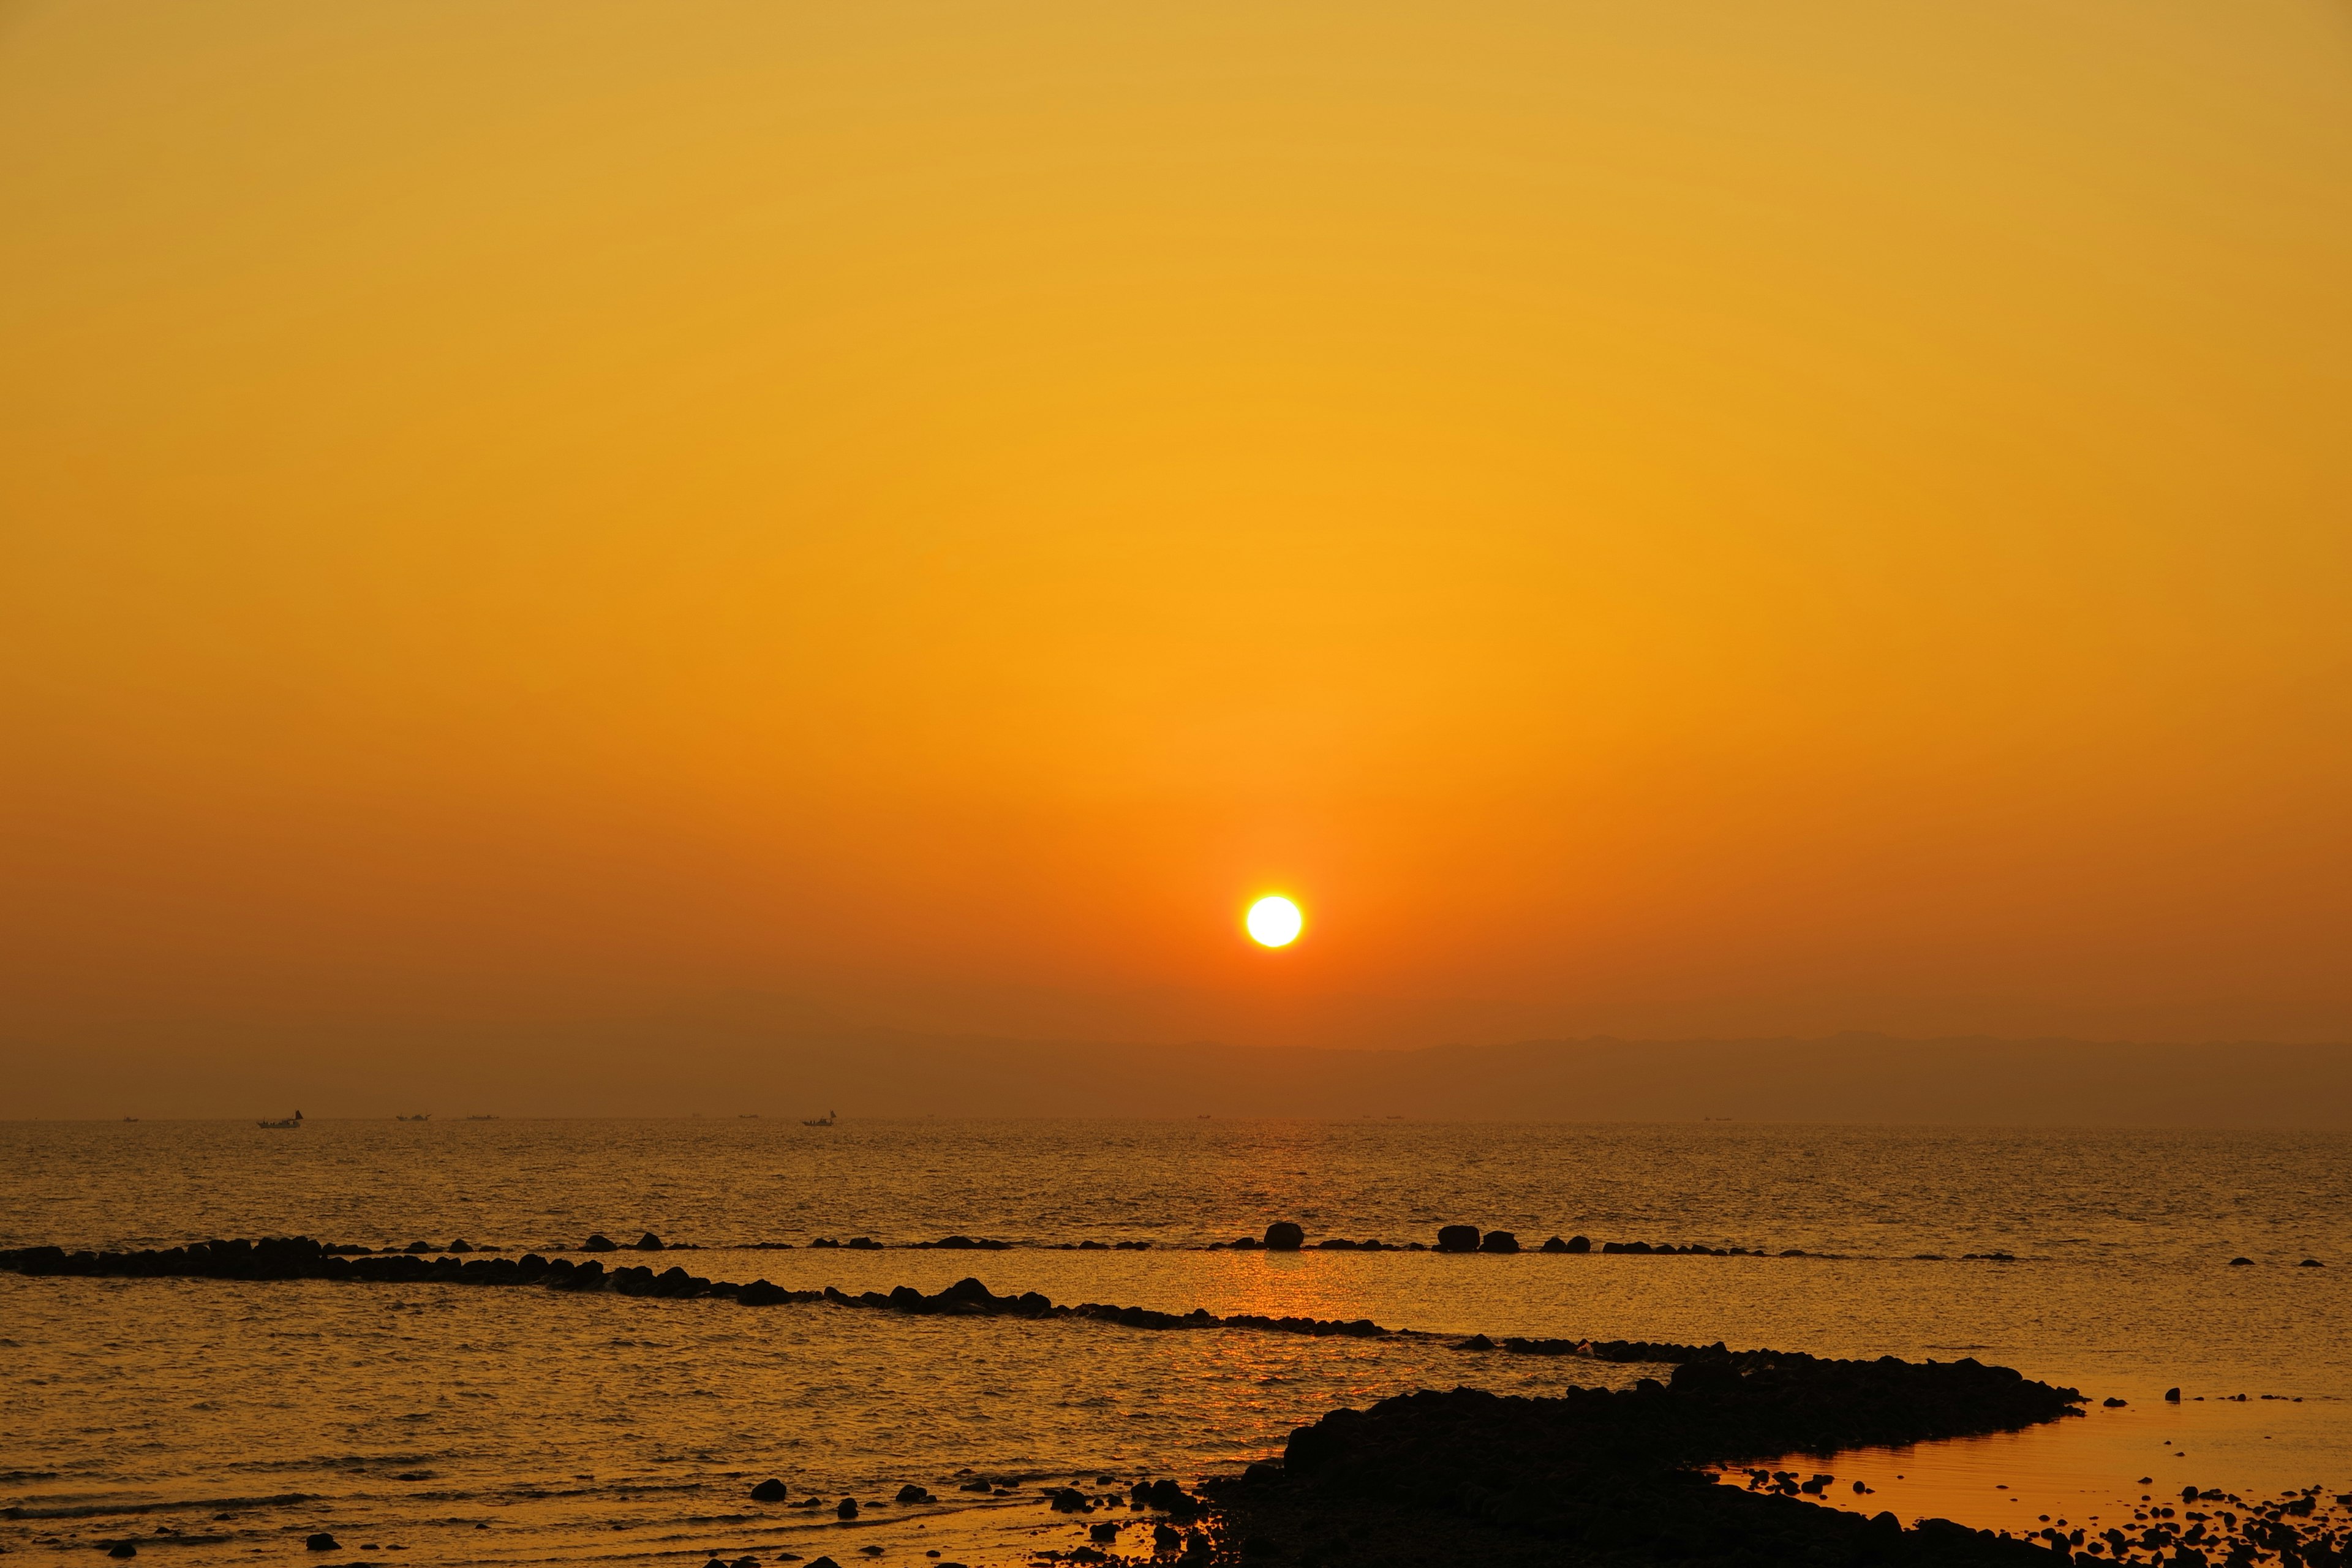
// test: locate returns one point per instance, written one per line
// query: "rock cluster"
(1614, 1476)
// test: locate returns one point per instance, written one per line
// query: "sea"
(211, 1421)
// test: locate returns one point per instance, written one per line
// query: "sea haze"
(531, 1425)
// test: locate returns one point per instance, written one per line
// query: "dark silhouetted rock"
(599, 1243)
(863, 1244)
(418, 1246)
(1457, 1238)
(910, 1492)
(1166, 1538)
(974, 1487)
(2311, 1263)
(2172, 1396)
(2113, 1403)
(1108, 1531)
(1068, 1499)
(1555, 1244)
(759, 1293)
(2241, 1263)
(649, 1242)
(122, 1549)
(1476, 1343)
(1284, 1236)
(1498, 1241)
(825, 1562)
(769, 1490)
(1605, 1477)
(323, 1542)
(461, 1245)
(1579, 1244)
(847, 1510)
(1167, 1496)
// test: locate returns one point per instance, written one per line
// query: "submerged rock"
(769, 1490)
(599, 1243)
(321, 1541)
(1167, 1496)
(910, 1492)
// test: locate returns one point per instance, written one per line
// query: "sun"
(1275, 921)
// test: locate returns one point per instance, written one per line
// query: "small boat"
(130, 1119)
(420, 1116)
(293, 1120)
(481, 1119)
(827, 1119)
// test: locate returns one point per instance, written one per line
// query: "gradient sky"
(1649, 517)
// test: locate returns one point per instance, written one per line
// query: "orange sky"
(1650, 517)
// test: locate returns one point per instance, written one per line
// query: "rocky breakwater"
(1625, 1476)
(300, 1257)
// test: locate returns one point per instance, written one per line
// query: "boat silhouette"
(293, 1120)
(827, 1119)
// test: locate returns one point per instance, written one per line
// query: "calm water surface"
(461, 1425)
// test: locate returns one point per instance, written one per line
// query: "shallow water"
(580, 1427)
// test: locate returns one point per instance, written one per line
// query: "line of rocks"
(300, 1257)
(1283, 1236)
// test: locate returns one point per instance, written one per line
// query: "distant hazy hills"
(646, 1072)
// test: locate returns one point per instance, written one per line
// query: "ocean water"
(218, 1420)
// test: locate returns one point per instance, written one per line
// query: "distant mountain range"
(640, 1071)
